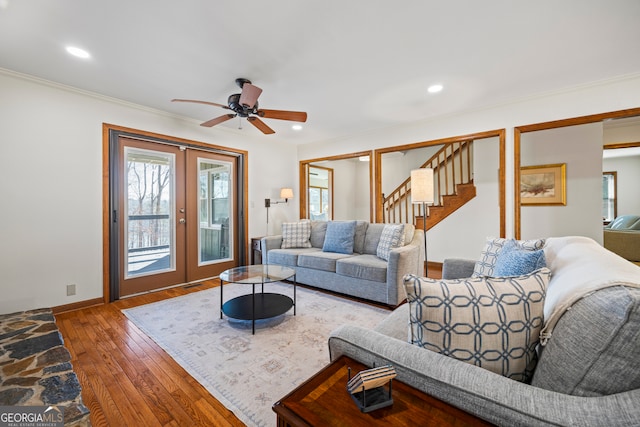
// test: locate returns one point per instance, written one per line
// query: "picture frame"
(543, 185)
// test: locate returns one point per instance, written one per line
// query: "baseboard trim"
(77, 305)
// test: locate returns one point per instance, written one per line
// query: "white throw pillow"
(493, 323)
(296, 234)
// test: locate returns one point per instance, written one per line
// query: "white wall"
(628, 179)
(613, 95)
(51, 167)
(580, 147)
(397, 166)
(362, 196)
(51, 185)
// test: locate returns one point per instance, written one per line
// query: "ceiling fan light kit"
(245, 105)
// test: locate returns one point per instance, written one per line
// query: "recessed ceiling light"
(296, 127)
(435, 88)
(76, 51)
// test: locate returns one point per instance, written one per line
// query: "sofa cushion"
(296, 234)
(339, 237)
(514, 261)
(392, 237)
(489, 255)
(368, 267)
(318, 230)
(287, 257)
(358, 239)
(595, 347)
(372, 238)
(489, 322)
(320, 260)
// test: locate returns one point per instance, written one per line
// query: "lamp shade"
(286, 193)
(422, 185)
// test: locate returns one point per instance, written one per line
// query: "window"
(609, 202)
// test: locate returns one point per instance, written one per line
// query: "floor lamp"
(422, 192)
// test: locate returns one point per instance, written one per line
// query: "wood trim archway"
(519, 130)
(303, 178)
(499, 133)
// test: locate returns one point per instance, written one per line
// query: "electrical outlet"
(71, 290)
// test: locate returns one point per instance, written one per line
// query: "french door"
(174, 215)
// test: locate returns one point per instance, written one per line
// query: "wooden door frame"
(517, 135)
(304, 164)
(496, 133)
(111, 131)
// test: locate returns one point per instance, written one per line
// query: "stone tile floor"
(35, 367)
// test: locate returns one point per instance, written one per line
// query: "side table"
(323, 401)
(256, 250)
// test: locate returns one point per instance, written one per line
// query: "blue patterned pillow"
(392, 237)
(493, 323)
(514, 261)
(339, 237)
(489, 255)
(296, 235)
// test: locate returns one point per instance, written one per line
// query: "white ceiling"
(354, 66)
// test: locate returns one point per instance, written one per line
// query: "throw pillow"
(514, 261)
(493, 323)
(484, 266)
(339, 237)
(392, 237)
(296, 234)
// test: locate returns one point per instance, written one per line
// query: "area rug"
(249, 373)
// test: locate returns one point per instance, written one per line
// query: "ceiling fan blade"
(295, 116)
(260, 125)
(218, 120)
(249, 95)
(215, 104)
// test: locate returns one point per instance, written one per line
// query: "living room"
(52, 153)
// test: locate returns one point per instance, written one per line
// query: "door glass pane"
(149, 183)
(215, 234)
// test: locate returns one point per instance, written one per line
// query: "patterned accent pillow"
(296, 234)
(514, 261)
(489, 255)
(493, 323)
(339, 237)
(392, 237)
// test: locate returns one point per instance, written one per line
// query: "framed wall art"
(543, 185)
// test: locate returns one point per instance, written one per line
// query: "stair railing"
(452, 165)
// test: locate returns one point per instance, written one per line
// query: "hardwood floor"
(126, 378)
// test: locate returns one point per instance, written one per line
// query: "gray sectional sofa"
(588, 373)
(361, 274)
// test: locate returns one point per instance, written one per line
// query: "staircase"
(453, 187)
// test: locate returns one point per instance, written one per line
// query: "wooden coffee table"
(323, 401)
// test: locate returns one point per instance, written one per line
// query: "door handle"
(182, 220)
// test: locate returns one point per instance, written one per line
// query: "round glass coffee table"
(261, 305)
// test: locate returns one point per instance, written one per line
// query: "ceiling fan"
(245, 104)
